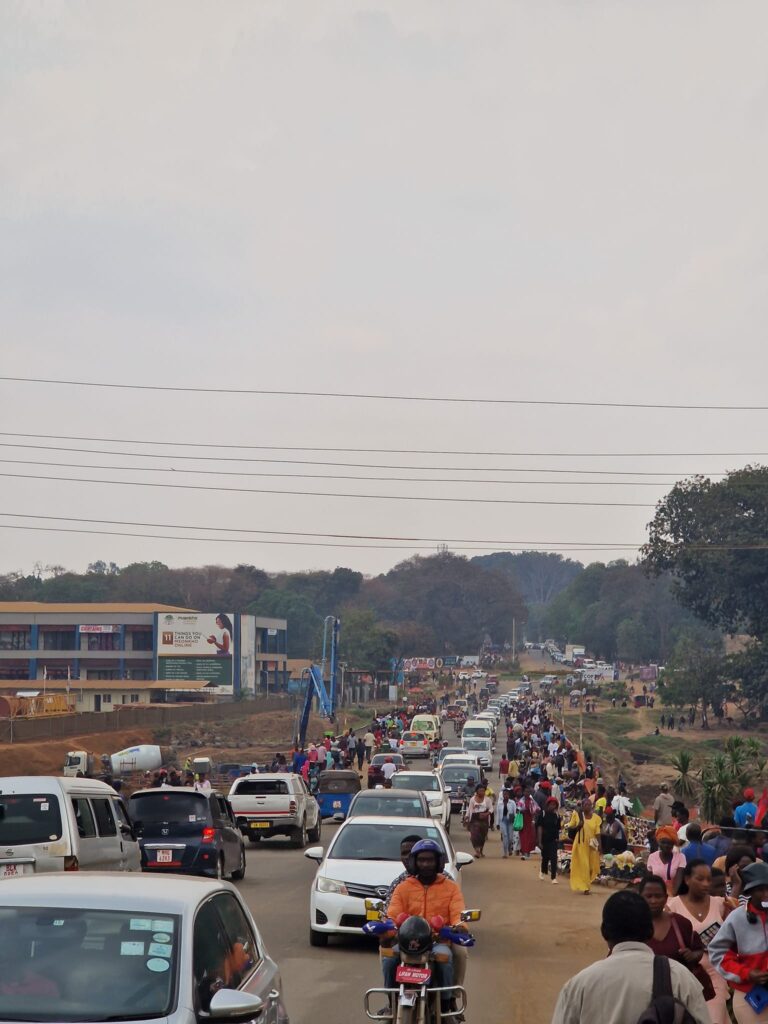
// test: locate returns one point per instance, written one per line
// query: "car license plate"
(261, 824)
(164, 856)
(337, 803)
(11, 870)
(407, 974)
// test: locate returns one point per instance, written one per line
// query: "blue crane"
(314, 678)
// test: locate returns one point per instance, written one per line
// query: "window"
(209, 954)
(59, 640)
(238, 931)
(104, 642)
(134, 698)
(141, 640)
(102, 673)
(15, 640)
(106, 698)
(262, 787)
(102, 808)
(29, 818)
(86, 827)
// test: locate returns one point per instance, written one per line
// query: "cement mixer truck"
(145, 757)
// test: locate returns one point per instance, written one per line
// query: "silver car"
(81, 947)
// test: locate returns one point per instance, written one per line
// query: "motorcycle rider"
(427, 893)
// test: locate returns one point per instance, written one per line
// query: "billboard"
(196, 646)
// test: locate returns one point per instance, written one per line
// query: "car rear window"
(405, 807)
(421, 783)
(476, 744)
(167, 805)
(29, 818)
(414, 736)
(261, 787)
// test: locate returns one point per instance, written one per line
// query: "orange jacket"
(443, 897)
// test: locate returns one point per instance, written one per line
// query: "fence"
(126, 717)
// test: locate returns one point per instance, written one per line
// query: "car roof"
(409, 772)
(95, 890)
(386, 794)
(375, 819)
(177, 789)
(37, 784)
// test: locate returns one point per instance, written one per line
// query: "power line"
(444, 399)
(344, 465)
(384, 451)
(328, 494)
(592, 545)
(339, 476)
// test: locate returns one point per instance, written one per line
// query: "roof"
(39, 783)
(31, 607)
(131, 891)
(108, 685)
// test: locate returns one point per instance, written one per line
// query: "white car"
(466, 760)
(431, 785)
(361, 863)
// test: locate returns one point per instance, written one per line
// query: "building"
(231, 653)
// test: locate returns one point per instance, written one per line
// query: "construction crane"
(314, 680)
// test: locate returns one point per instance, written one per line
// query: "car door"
(312, 806)
(223, 825)
(88, 844)
(131, 860)
(111, 851)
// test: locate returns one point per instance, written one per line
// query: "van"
(477, 727)
(63, 824)
(481, 747)
(428, 724)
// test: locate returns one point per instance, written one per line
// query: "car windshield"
(261, 787)
(422, 783)
(29, 818)
(65, 964)
(476, 744)
(377, 842)
(169, 806)
(476, 730)
(403, 807)
(382, 758)
(414, 736)
(457, 776)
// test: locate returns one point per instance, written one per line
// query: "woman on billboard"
(224, 645)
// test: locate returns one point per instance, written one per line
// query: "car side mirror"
(463, 859)
(235, 1005)
(314, 853)
(339, 816)
(127, 831)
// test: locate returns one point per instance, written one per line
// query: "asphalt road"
(533, 936)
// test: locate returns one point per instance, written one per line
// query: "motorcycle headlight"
(331, 885)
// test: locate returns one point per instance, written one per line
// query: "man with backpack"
(631, 986)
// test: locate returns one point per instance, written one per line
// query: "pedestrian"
(584, 833)
(674, 936)
(505, 817)
(667, 862)
(548, 836)
(662, 720)
(368, 742)
(745, 814)
(739, 951)
(503, 766)
(705, 914)
(662, 806)
(360, 752)
(619, 988)
(527, 834)
(477, 819)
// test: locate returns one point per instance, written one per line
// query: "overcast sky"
(534, 200)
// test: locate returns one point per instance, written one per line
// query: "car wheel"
(300, 838)
(448, 825)
(254, 839)
(317, 938)
(314, 833)
(239, 874)
(220, 869)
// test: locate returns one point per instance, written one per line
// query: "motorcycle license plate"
(164, 856)
(261, 824)
(11, 870)
(337, 803)
(407, 974)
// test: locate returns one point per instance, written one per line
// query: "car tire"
(317, 938)
(239, 874)
(314, 833)
(448, 826)
(254, 839)
(300, 837)
(220, 869)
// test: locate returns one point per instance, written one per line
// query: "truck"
(146, 757)
(574, 651)
(276, 805)
(35, 705)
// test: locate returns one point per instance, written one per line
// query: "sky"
(541, 201)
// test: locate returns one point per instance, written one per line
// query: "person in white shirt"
(389, 768)
(621, 803)
(619, 989)
(202, 785)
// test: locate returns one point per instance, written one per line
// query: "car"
(478, 727)
(455, 780)
(361, 863)
(276, 804)
(447, 752)
(432, 786)
(481, 746)
(172, 949)
(189, 832)
(453, 711)
(388, 803)
(374, 768)
(414, 744)
(428, 724)
(466, 760)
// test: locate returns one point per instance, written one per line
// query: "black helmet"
(415, 936)
(426, 846)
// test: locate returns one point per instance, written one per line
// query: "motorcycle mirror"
(471, 915)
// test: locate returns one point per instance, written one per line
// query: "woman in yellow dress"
(584, 826)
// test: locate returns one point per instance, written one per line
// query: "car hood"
(367, 872)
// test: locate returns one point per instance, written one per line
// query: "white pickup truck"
(276, 804)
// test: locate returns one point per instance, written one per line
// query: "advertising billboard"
(196, 646)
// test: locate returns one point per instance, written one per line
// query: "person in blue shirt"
(695, 849)
(746, 813)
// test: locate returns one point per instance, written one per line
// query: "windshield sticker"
(162, 926)
(44, 807)
(141, 924)
(159, 949)
(157, 966)
(131, 949)
(161, 937)
(193, 817)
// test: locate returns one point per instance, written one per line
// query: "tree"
(304, 624)
(696, 676)
(539, 576)
(364, 643)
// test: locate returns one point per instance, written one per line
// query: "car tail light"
(71, 864)
(209, 834)
(292, 807)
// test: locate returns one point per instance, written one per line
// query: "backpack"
(664, 1008)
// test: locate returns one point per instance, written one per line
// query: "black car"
(183, 831)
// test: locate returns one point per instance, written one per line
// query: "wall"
(128, 717)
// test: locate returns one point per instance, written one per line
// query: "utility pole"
(514, 638)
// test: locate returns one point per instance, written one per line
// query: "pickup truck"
(276, 804)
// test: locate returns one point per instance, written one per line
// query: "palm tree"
(736, 758)
(683, 785)
(716, 787)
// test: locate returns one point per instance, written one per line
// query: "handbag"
(700, 973)
(517, 821)
(573, 832)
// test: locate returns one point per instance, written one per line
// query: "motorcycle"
(415, 1001)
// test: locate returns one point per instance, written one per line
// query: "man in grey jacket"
(618, 989)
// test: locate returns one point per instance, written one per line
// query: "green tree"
(695, 676)
(304, 624)
(365, 644)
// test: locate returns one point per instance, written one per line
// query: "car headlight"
(331, 885)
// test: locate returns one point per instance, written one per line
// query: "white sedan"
(433, 788)
(361, 863)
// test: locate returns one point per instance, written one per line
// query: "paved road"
(533, 936)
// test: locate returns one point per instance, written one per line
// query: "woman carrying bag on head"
(584, 833)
